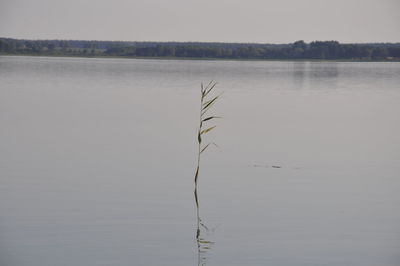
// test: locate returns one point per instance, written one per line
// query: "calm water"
(97, 159)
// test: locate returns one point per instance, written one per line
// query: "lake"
(98, 156)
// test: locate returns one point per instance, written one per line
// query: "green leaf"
(205, 147)
(205, 131)
(205, 242)
(207, 106)
(209, 118)
(209, 90)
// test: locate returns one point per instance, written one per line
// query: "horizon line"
(222, 42)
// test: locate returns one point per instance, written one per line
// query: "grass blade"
(209, 118)
(210, 102)
(205, 131)
(209, 90)
(205, 147)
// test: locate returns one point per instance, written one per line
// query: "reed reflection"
(203, 244)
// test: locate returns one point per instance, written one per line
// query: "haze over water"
(97, 159)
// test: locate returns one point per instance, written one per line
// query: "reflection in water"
(203, 245)
(304, 73)
(299, 73)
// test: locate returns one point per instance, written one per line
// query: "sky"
(255, 21)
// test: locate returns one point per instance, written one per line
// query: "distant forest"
(319, 50)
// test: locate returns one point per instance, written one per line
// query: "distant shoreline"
(297, 51)
(397, 60)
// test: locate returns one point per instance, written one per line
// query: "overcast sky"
(263, 21)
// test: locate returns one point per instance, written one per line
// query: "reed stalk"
(206, 102)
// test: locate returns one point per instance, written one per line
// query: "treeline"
(325, 50)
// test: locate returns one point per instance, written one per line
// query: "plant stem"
(199, 139)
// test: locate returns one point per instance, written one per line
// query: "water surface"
(97, 159)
